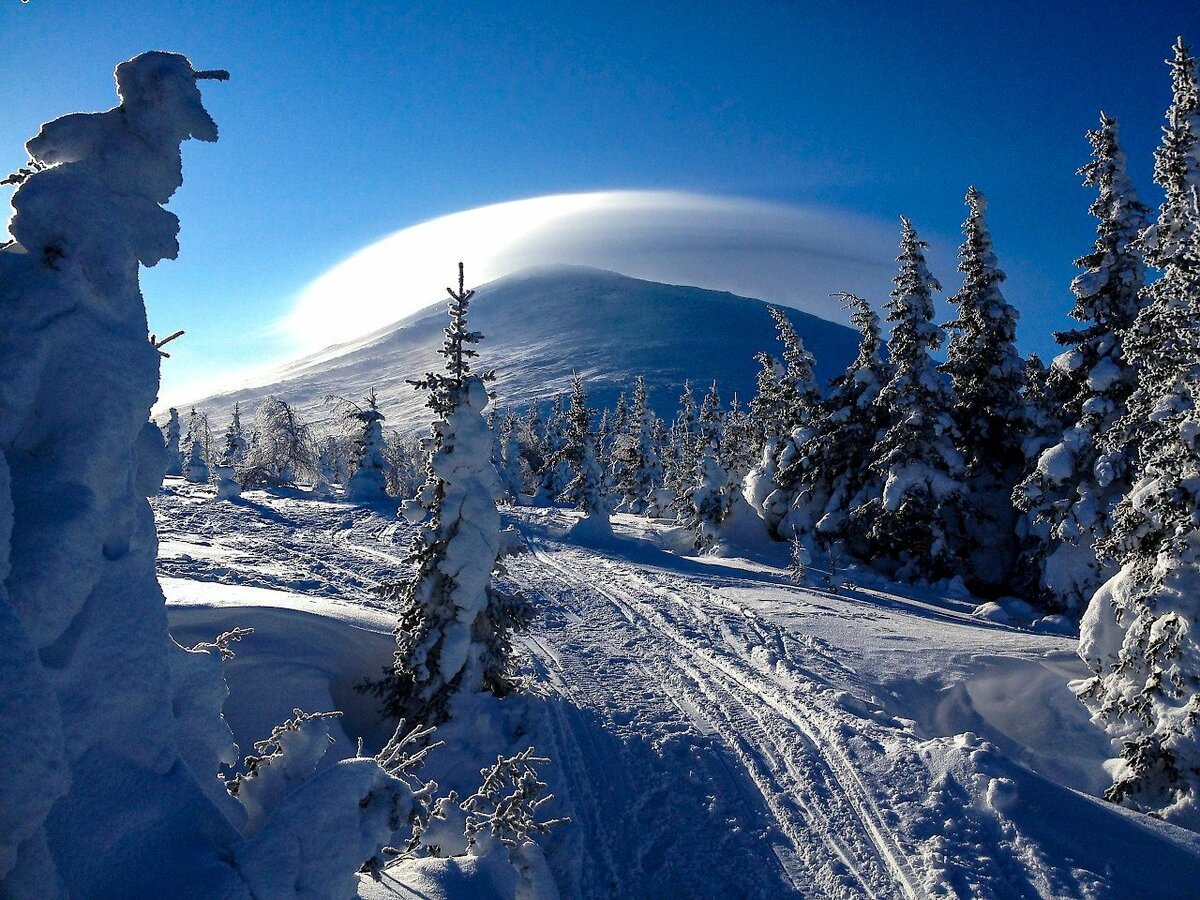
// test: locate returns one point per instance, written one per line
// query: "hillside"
(539, 325)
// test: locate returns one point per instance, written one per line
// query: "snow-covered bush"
(282, 449)
(454, 633)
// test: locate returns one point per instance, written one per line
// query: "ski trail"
(784, 739)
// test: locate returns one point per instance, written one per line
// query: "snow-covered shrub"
(282, 449)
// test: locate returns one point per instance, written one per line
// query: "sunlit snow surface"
(716, 731)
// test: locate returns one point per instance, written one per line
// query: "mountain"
(539, 325)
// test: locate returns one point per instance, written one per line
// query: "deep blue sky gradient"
(346, 121)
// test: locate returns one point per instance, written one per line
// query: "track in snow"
(772, 727)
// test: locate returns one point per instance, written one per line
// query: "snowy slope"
(542, 323)
(715, 730)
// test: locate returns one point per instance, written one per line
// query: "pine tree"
(232, 455)
(1138, 636)
(1066, 498)
(556, 473)
(799, 393)
(988, 378)
(368, 481)
(195, 470)
(455, 628)
(916, 523)
(586, 488)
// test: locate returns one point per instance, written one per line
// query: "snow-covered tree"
(988, 377)
(586, 488)
(404, 476)
(282, 448)
(556, 473)
(915, 525)
(368, 480)
(1139, 634)
(233, 453)
(174, 456)
(112, 733)
(455, 627)
(195, 470)
(1067, 498)
(637, 467)
(825, 467)
(512, 479)
(711, 495)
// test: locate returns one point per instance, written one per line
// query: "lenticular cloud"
(795, 256)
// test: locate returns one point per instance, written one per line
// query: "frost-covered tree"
(233, 453)
(556, 473)
(512, 480)
(282, 448)
(988, 377)
(1139, 634)
(404, 476)
(198, 432)
(825, 467)
(455, 626)
(195, 470)
(586, 490)
(368, 479)
(112, 734)
(637, 466)
(1067, 497)
(916, 523)
(711, 495)
(174, 456)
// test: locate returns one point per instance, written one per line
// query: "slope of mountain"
(541, 324)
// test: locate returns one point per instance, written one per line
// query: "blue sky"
(347, 121)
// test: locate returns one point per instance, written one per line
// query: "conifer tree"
(799, 393)
(368, 481)
(1139, 634)
(232, 455)
(586, 488)
(915, 525)
(174, 457)
(455, 628)
(988, 378)
(556, 473)
(511, 479)
(195, 470)
(637, 467)
(1066, 499)
(825, 467)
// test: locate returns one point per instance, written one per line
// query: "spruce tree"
(1067, 498)
(915, 525)
(988, 378)
(586, 489)
(455, 628)
(825, 467)
(637, 467)
(368, 480)
(511, 478)
(174, 457)
(1138, 636)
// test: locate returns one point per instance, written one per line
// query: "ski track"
(784, 739)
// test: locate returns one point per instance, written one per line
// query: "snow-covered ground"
(714, 730)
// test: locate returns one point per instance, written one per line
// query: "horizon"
(364, 146)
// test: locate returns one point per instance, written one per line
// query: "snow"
(714, 730)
